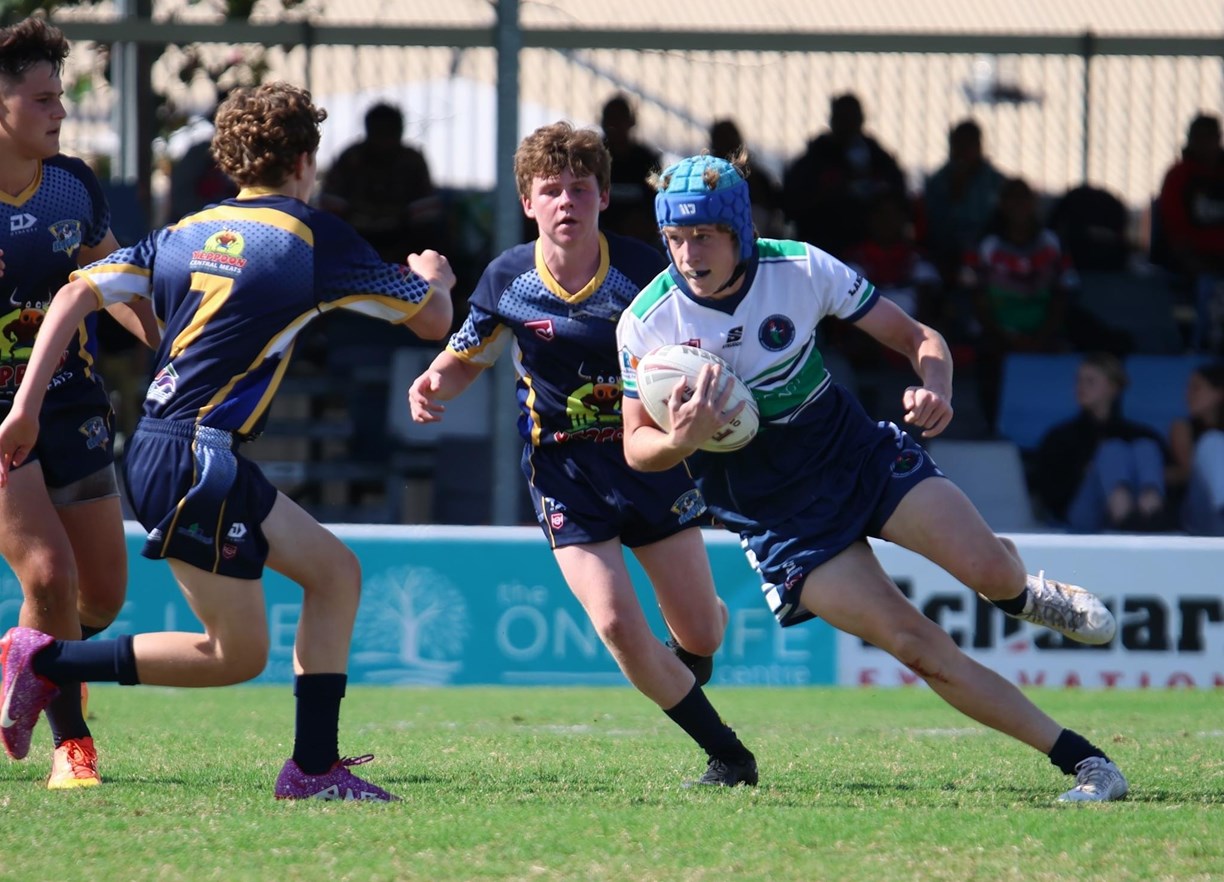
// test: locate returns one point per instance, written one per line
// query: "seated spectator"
(726, 142)
(1022, 281)
(382, 187)
(1197, 449)
(1093, 224)
(888, 257)
(959, 201)
(630, 210)
(827, 191)
(1192, 217)
(1099, 470)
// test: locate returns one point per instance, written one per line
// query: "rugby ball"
(660, 370)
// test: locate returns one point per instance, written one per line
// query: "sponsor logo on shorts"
(907, 461)
(776, 333)
(237, 531)
(229, 552)
(196, 534)
(95, 432)
(689, 506)
(555, 512)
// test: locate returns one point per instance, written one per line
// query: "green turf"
(584, 784)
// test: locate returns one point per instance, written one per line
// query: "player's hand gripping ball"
(660, 370)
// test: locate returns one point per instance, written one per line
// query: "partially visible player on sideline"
(233, 286)
(558, 299)
(61, 524)
(821, 476)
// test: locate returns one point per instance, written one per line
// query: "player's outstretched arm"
(19, 431)
(433, 320)
(929, 406)
(445, 378)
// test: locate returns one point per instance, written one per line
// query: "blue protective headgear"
(687, 200)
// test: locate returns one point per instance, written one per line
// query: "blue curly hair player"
(822, 476)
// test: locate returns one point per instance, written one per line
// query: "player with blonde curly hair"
(233, 286)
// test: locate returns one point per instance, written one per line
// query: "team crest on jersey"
(689, 506)
(95, 432)
(164, 385)
(543, 329)
(776, 333)
(906, 462)
(67, 236)
(221, 252)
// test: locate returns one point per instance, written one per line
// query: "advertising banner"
(461, 606)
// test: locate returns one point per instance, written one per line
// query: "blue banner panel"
(464, 606)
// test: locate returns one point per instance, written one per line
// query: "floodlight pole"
(507, 231)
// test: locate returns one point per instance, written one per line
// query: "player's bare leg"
(936, 519)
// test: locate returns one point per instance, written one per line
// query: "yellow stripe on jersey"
(551, 283)
(277, 345)
(25, 195)
(215, 290)
(489, 350)
(124, 281)
(270, 216)
(379, 306)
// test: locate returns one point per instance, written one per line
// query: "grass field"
(584, 784)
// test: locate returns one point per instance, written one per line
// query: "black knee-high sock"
(317, 721)
(696, 716)
(64, 714)
(96, 661)
(1072, 748)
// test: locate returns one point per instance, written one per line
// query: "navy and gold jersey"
(42, 230)
(232, 287)
(569, 385)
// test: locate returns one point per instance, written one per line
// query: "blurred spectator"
(1100, 470)
(1197, 447)
(726, 142)
(382, 187)
(1021, 280)
(890, 258)
(195, 179)
(1192, 218)
(630, 210)
(959, 201)
(1093, 224)
(827, 190)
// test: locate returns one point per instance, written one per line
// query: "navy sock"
(64, 715)
(1072, 748)
(696, 716)
(97, 661)
(1015, 605)
(316, 735)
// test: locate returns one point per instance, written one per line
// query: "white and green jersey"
(767, 333)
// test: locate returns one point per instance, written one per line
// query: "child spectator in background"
(1197, 447)
(1099, 470)
(1022, 281)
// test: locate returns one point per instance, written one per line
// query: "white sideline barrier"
(1166, 592)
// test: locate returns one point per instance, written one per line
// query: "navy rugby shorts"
(584, 492)
(200, 501)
